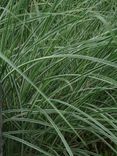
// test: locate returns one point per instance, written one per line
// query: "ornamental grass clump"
(58, 70)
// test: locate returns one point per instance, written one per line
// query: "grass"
(58, 69)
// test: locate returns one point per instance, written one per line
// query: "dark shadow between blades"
(1, 148)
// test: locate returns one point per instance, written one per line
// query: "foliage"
(58, 65)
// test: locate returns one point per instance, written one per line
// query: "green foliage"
(58, 68)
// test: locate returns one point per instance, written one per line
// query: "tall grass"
(58, 68)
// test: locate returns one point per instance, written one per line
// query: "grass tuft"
(58, 69)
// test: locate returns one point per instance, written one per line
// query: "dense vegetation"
(58, 69)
